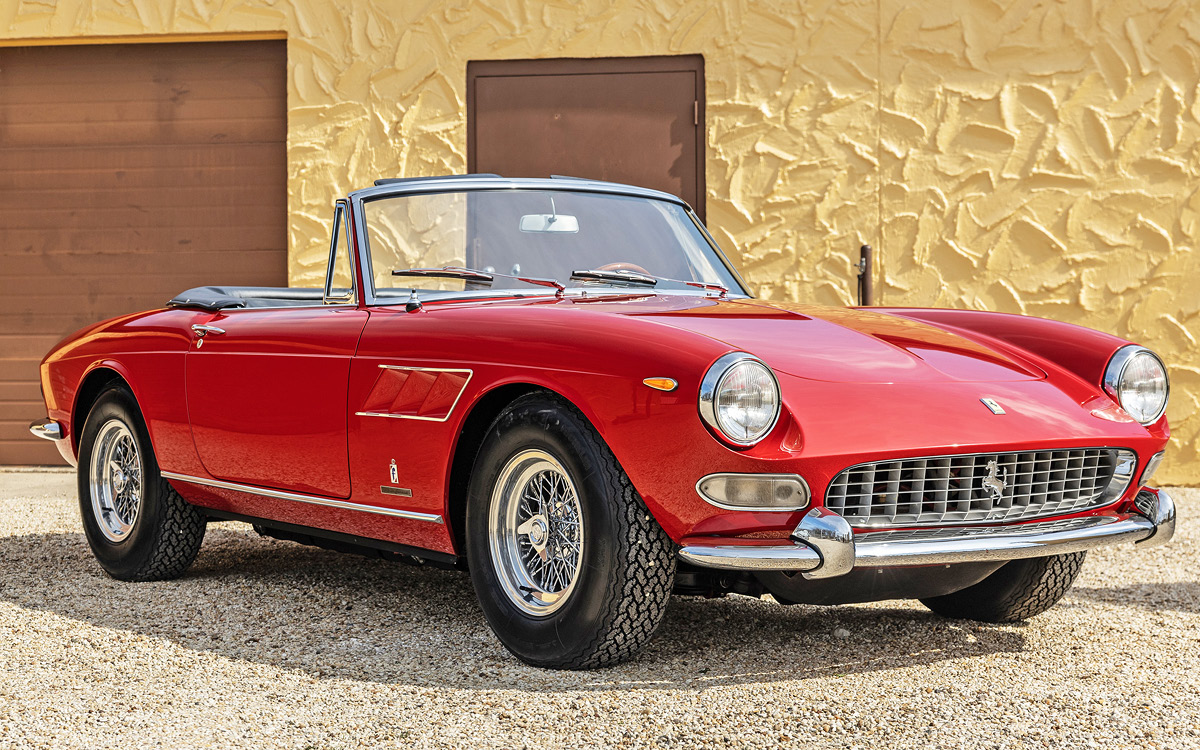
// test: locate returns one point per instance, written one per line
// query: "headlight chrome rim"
(711, 384)
(1114, 374)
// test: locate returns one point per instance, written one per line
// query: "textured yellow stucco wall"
(1035, 156)
(1044, 158)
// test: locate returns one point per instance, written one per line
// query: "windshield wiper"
(594, 275)
(707, 286)
(624, 277)
(471, 274)
(633, 277)
(449, 272)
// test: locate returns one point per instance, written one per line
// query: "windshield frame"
(485, 183)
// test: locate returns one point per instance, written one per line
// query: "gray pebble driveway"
(267, 644)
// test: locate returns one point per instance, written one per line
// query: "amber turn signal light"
(661, 384)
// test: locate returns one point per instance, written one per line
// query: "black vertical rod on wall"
(866, 289)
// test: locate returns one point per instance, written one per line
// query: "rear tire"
(1019, 590)
(571, 569)
(138, 526)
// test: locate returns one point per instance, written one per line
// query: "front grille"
(976, 488)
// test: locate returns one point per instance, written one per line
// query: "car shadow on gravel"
(340, 616)
(1180, 596)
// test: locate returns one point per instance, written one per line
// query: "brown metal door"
(129, 173)
(634, 120)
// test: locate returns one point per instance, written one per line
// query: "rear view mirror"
(549, 223)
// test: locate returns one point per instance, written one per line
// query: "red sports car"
(564, 386)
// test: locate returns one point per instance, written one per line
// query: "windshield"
(535, 233)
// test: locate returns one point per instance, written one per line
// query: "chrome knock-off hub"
(537, 530)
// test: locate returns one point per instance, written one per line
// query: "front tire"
(571, 570)
(137, 525)
(1019, 590)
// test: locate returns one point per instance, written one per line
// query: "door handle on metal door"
(201, 330)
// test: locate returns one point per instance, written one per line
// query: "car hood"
(836, 344)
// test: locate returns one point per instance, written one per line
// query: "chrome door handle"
(201, 330)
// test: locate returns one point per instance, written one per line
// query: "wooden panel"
(635, 120)
(128, 173)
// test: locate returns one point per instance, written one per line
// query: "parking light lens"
(773, 492)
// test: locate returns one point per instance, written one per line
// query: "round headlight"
(739, 398)
(1137, 379)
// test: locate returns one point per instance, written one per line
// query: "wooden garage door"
(129, 173)
(627, 119)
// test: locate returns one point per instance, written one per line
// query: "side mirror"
(549, 224)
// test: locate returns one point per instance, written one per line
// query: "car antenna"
(414, 304)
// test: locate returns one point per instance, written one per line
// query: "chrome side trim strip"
(470, 374)
(47, 429)
(427, 369)
(385, 415)
(411, 515)
(816, 544)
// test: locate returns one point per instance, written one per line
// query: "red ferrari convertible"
(563, 386)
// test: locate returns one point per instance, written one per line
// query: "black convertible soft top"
(224, 297)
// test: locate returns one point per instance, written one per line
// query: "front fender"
(1083, 352)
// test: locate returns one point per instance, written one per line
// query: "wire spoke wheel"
(536, 532)
(115, 482)
(571, 569)
(138, 527)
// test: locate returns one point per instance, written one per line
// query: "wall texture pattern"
(1036, 156)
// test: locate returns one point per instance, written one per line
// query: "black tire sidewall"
(126, 558)
(1017, 591)
(564, 635)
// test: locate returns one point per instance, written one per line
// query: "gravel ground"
(269, 644)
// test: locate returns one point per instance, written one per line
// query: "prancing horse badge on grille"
(994, 481)
(992, 405)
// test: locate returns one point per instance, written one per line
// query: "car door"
(266, 390)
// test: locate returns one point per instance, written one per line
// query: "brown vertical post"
(866, 289)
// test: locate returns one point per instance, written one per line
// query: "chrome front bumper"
(47, 429)
(824, 544)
